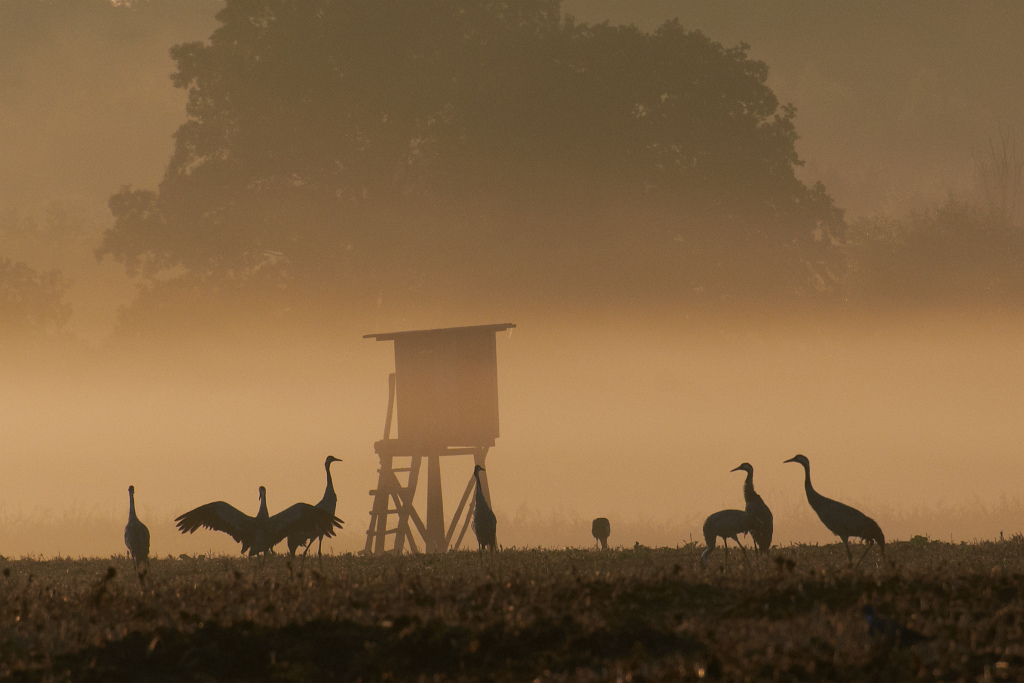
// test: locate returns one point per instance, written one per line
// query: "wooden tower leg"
(376, 535)
(435, 506)
(465, 525)
(458, 513)
(403, 497)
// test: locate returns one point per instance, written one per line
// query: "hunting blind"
(445, 390)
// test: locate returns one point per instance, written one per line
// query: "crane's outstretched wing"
(301, 520)
(219, 516)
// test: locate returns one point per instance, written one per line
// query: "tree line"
(375, 149)
(385, 154)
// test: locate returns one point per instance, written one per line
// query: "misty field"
(628, 614)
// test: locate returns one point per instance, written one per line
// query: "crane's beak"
(736, 469)
(793, 459)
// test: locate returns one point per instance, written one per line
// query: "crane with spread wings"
(261, 533)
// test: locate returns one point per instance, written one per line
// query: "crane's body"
(759, 518)
(724, 524)
(329, 503)
(842, 520)
(136, 535)
(261, 533)
(601, 529)
(485, 524)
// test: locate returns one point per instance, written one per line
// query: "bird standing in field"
(136, 535)
(842, 520)
(328, 503)
(261, 533)
(724, 524)
(888, 631)
(485, 524)
(759, 517)
(602, 529)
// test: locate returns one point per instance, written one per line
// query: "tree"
(366, 142)
(31, 303)
(957, 251)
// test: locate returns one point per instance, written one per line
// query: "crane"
(329, 503)
(261, 533)
(842, 520)
(485, 524)
(725, 524)
(759, 517)
(136, 535)
(602, 529)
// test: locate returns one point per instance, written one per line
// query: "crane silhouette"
(725, 524)
(485, 524)
(136, 535)
(329, 503)
(602, 529)
(759, 517)
(842, 520)
(261, 533)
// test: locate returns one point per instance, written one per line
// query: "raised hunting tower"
(445, 389)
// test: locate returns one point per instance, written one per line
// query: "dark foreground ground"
(636, 614)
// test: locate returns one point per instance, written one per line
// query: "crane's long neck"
(131, 505)
(479, 488)
(263, 514)
(748, 487)
(329, 492)
(813, 497)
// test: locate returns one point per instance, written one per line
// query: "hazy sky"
(892, 98)
(894, 101)
(916, 418)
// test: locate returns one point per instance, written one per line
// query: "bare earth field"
(633, 614)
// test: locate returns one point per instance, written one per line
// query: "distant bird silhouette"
(725, 524)
(329, 503)
(842, 520)
(889, 631)
(602, 529)
(261, 533)
(485, 524)
(136, 535)
(759, 517)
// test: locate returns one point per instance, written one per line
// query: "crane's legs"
(868, 549)
(849, 555)
(725, 546)
(319, 552)
(743, 548)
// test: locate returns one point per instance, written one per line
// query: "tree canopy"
(31, 303)
(348, 141)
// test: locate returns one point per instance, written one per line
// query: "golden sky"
(913, 416)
